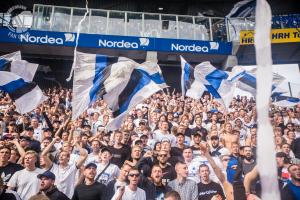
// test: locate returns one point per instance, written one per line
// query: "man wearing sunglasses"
(168, 170)
(131, 191)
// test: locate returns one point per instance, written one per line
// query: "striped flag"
(216, 83)
(282, 100)
(246, 80)
(187, 76)
(13, 63)
(139, 87)
(26, 95)
(243, 9)
(121, 82)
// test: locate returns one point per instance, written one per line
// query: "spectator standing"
(186, 188)
(131, 191)
(48, 188)
(7, 169)
(90, 189)
(25, 181)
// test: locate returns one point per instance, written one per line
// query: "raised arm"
(44, 154)
(83, 155)
(228, 189)
(217, 170)
(19, 148)
(251, 176)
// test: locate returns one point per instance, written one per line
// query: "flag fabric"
(243, 9)
(153, 69)
(139, 87)
(246, 80)
(282, 100)
(89, 74)
(266, 161)
(121, 82)
(13, 63)
(216, 83)
(26, 95)
(187, 75)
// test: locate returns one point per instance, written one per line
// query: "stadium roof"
(218, 8)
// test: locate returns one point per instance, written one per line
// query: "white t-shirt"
(139, 194)
(158, 136)
(193, 169)
(92, 158)
(26, 182)
(65, 178)
(111, 173)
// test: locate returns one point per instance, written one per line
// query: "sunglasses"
(133, 175)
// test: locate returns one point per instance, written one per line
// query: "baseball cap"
(91, 164)
(47, 174)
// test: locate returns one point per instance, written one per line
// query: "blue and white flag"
(153, 69)
(282, 100)
(90, 72)
(121, 82)
(187, 76)
(13, 63)
(26, 95)
(246, 80)
(216, 83)
(243, 9)
(139, 86)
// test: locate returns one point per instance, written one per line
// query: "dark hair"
(203, 165)
(173, 194)
(155, 145)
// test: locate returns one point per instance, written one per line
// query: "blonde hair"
(31, 152)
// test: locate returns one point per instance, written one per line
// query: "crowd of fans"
(169, 147)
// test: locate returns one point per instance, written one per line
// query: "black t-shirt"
(161, 191)
(7, 195)
(207, 191)
(202, 130)
(119, 155)
(8, 171)
(90, 192)
(169, 174)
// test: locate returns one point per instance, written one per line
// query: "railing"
(111, 22)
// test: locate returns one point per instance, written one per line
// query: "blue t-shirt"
(295, 189)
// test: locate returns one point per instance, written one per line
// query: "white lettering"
(43, 40)
(118, 44)
(192, 48)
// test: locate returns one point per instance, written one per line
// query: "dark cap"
(29, 128)
(281, 155)
(46, 129)
(197, 134)
(25, 138)
(47, 174)
(142, 122)
(144, 136)
(91, 164)
(7, 137)
(105, 149)
(179, 134)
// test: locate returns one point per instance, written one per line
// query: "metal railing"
(125, 23)
(112, 22)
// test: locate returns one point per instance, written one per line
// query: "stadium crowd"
(169, 147)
